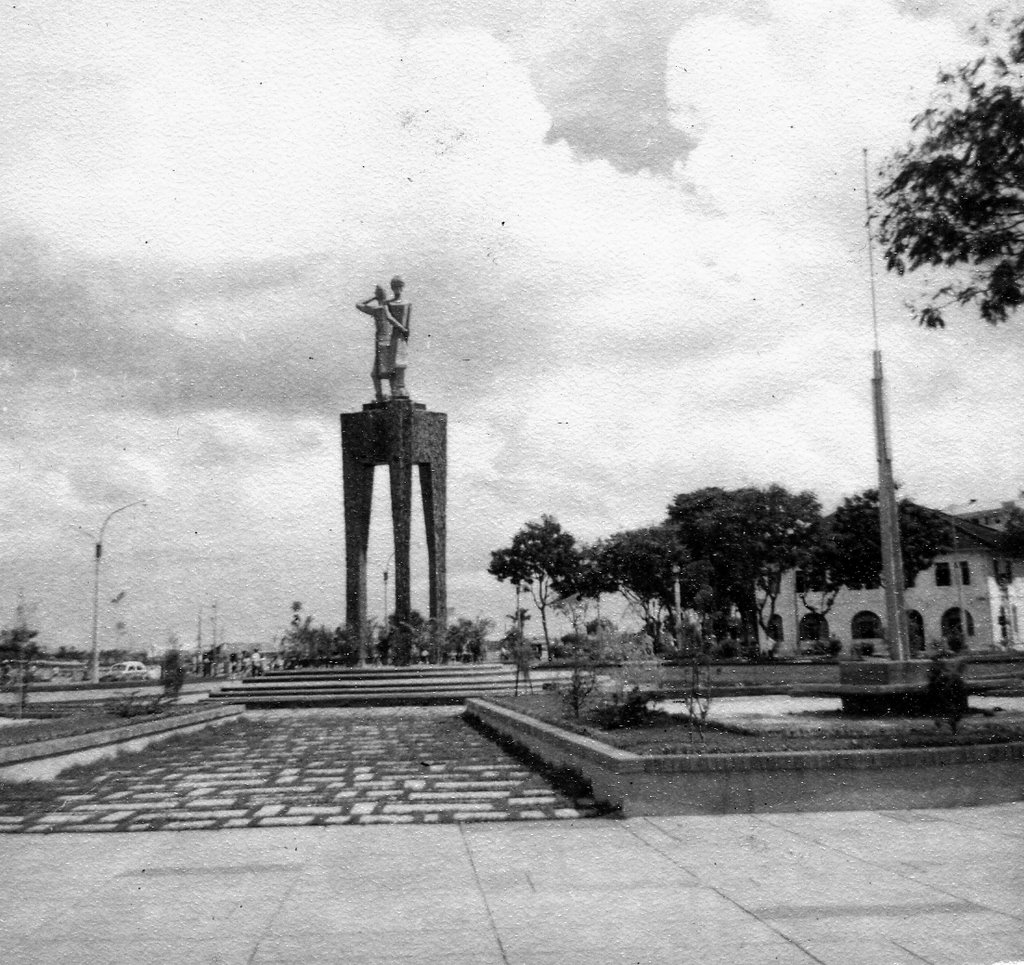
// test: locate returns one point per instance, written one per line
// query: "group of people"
(216, 663)
(391, 318)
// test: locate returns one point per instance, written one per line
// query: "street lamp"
(96, 590)
(386, 565)
(679, 609)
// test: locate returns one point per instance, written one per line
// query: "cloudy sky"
(632, 232)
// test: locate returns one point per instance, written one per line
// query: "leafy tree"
(747, 537)
(408, 638)
(638, 564)
(466, 638)
(542, 557)
(17, 642)
(820, 565)
(518, 618)
(856, 555)
(309, 644)
(953, 198)
(580, 587)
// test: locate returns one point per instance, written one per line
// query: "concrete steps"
(381, 686)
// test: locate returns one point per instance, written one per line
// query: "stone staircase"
(378, 686)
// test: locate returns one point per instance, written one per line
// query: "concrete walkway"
(934, 887)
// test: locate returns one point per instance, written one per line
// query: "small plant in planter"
(629, 710)
(727, 649)
(584, 654)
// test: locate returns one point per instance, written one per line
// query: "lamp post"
(519, 609)
(384, 623)
(96, 590)
(387, 564)
(677, 597)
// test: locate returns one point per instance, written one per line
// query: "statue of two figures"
(391, 344)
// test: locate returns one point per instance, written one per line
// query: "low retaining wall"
(44, 760)
(749, 783)
(81, 693)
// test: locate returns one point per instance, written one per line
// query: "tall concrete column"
(400, 434)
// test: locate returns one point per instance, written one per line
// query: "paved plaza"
(851, 888)
(293, 768)
(389, 836)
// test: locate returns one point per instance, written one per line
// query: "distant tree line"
(417, 640)
(724, 552)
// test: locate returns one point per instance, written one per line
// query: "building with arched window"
(954, 624)
(915, 629)
(813, 627)
(866, 625)
(979, 576)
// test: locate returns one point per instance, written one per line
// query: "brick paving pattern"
(313, 767)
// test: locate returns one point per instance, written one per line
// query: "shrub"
(584, 654)
(134, 705)
(630, 711)
(582, 685)
(947, 693)
(727, 649)
(172, 674)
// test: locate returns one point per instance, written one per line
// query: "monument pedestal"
(400, 434)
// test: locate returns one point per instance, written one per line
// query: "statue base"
(400, 434)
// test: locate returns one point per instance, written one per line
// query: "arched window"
(774, 630)
(866, 626)
(813, 626)
(915, 629)
(951, 625)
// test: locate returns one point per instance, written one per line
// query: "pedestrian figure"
(522, 654)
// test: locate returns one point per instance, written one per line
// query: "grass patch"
(83, 720)
(660, 733)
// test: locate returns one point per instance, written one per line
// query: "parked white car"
(126, 670)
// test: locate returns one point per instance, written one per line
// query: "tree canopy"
(467, 638)
(953, 198)
(316, 644)
(17, 641)
(748, 537)
(542, 557)
(638, 564)
(856, 554)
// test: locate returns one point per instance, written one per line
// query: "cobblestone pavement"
(306, 767)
